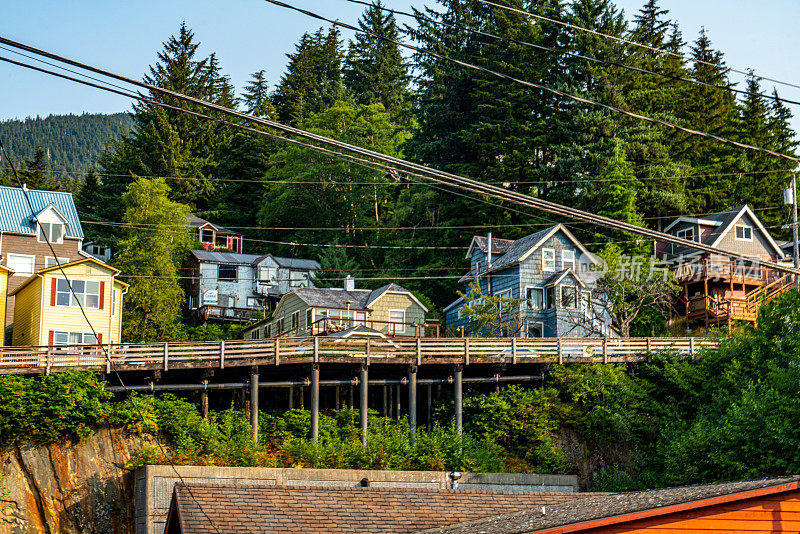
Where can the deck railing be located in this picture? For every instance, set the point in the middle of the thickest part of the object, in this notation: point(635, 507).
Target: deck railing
point(132, 357)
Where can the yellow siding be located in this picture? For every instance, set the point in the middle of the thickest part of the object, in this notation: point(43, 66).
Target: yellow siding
point(26, 315)
point(3, 291)
point(397, 301)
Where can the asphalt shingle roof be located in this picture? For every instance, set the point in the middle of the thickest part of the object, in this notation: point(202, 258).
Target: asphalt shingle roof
point(499, 246)
point(15, 214)
point(197, 222)
point(236, 509)
point(599, 507)
point(359, 299)
point(518, 249)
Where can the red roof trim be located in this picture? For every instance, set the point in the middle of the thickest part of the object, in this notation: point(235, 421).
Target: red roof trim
point(666, 510)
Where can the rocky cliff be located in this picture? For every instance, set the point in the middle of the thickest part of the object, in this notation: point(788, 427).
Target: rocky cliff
point(70, 487)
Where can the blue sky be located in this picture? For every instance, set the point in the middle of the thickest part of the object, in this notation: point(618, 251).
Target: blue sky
point(249, 35)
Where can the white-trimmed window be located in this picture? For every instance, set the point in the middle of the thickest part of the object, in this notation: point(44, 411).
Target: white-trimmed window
point(298, 279)
point(252, 302)
point(397, 318)
point(296, 320)
point(535, 298)
point(309, 318)
point(279, 326)
point(206, 236)
point(568, 259)
point(50, 231)
point(548, 260)
point(268, 331)
point(360, 318)
point(227, 273)
point(21, 264)
point(50, 261)
point(687, 233)
point(267, 274)
point(550, 297)
point(74, 338)
point(535, 330)
point(478, 266)
point(85, 293)
point(569, 297)
point(744, 232)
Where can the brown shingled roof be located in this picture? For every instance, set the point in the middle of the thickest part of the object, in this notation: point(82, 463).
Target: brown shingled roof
point(243, 508)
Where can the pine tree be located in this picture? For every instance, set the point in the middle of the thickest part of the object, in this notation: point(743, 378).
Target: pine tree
point(375, 71)
point(35, 174)
point(256, 96)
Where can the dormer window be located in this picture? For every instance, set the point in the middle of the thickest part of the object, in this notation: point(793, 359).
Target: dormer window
point(206, 236)
point(687, 233)
point(478, 267)
point(744, 232)
point(52, 232)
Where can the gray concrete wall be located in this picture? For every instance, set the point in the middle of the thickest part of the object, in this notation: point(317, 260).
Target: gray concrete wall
point(154, 483)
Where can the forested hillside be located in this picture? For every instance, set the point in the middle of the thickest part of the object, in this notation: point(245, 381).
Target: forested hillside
point(72, 143)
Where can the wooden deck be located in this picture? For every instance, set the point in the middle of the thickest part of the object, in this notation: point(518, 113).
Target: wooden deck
point(420, 351)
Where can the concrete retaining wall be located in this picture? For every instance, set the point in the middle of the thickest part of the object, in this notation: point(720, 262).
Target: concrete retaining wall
point(154, 483)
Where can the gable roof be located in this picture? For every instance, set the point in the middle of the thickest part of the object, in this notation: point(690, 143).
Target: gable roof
point(228, 258)
point(197, 223)
point(603, 510)
point(359, 299)
point(499, 246)
point(239, 508)
point(291, 263)
point(89, 259)
point(525, 246)
point(559, 276)
point(16, 215)
point(392, 288)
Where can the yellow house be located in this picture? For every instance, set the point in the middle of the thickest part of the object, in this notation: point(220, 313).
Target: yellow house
point(47, 311)
point(5, 272)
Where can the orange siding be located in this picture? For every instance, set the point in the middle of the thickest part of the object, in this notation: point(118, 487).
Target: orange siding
point(773, 513)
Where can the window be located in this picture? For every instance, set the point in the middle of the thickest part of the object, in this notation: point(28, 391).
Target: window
point(548, 260)
point(550, 294)
point(397, 318)
point(268, 331)
point(21, 264)
point(296, 320)
point(227, 273)
point(221, 241)
point(85, 293)
point(309, 318)
point(298, 279)
point(568, 259)
point(266, 274)
point(478, 266)
point(252, 302)
point(254, 334)
point(52, 232)
point(535, 330)
point(535, 296)
point(279, 325)
point(569, 297)
point(744, 232)
point(74, 338)
point(687, 233)
point(50, 261)
point(361, 318)
point(113, 302)
point(206, 236)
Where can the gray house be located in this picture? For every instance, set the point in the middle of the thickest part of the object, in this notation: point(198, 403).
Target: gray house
point(234, 287)
point(551, 270)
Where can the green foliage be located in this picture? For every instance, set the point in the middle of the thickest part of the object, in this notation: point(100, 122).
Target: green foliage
point(492, 315)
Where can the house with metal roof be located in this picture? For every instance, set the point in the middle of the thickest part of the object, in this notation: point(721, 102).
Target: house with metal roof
point(309, 311)
point(215, 237)
point(550, 271)
point(5, 272)
point(24, 234)
point(717, 290)
point(226, 286)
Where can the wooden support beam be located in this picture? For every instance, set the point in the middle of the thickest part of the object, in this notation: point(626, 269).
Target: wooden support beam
point(412, 404)
point(457, 394)
point(315, 402)
point(254, 401)
point(364, 402)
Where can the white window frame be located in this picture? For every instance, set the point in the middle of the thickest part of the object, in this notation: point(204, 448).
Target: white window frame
point(62, 261)
point(294, 281)
point(687, 232)
point(541, 327)
point(527, 300)
point(561, 297)
point(564, 260)
point(92, 340)
point(40, 229)
point(18, 272)
point(75, 296)
point(393, 326)
point(254, 301)
point(279, 324)
point(743, 227)
point(228, 266)
point(552, 253)
point(295, 321)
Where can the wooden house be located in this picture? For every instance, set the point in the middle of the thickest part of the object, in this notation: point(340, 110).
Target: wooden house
point(234, 287)
point(551, 270)
point(48, 311)
point(5, 272)
point(309, 311)
point(215, 237)
point(23, 242)
point(715, 289)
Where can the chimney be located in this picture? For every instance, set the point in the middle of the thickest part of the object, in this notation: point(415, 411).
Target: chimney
point(349, 283)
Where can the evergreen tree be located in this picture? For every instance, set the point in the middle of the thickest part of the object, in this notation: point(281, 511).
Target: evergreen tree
point(375, 71)
point(256, 96)
point(151, 251)
point(313, 78)
point(336, 264)
point(35, 174)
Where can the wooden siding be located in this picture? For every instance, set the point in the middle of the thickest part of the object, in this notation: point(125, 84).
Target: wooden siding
point(291, 304)
point(28, 244)
point(771, 513)
point(34, 303)
point(3, 297)
point(396, 301)
point(759, 246)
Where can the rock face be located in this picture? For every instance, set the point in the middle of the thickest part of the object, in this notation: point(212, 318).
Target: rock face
point(70, 487)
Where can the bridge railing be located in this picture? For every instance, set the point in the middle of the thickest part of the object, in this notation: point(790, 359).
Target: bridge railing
point(131, 356)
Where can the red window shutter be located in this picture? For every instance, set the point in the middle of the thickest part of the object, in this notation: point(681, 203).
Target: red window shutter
point(100, 338)
point(52, 335)
point(102, 293)
point(53, 295)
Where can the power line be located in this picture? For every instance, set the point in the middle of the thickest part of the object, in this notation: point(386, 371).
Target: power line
point(400, 165)
point(633, 43)
point(419, 16)
point(103, 349)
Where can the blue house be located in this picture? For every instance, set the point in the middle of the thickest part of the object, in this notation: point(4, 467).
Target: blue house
point(554, 274)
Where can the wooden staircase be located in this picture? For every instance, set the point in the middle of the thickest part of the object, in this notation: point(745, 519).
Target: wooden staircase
point(723, 310)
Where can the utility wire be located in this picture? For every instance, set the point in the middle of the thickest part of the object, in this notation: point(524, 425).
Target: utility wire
point(103, 349)
point(419, 16)
point(400, 165)
point(633, 43)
